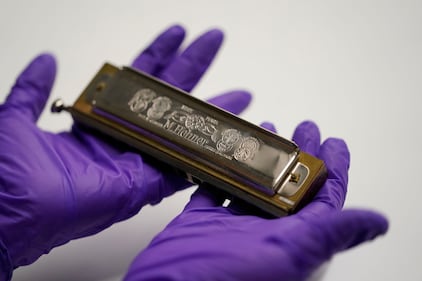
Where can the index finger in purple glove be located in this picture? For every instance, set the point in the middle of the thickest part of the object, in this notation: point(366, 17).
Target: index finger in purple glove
point(335, 154)
point(186, 70)
point(307, 137)
point(161, 58)
point(161, 51)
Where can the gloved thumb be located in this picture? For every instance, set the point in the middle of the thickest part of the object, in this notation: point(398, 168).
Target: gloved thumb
point(33, 86)
point(349, 228)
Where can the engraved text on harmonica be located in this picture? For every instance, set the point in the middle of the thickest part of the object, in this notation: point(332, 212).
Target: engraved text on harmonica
point(192, 126)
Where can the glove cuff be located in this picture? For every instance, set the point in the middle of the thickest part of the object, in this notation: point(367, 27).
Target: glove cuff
point(6, 267)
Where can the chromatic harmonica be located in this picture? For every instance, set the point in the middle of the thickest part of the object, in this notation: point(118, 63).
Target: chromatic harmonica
point(209, 145)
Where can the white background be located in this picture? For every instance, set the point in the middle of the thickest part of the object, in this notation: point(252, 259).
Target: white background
point(354, 67)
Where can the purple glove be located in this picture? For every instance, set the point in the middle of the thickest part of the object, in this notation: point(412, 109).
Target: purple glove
point(209, 242)
point(58, 187)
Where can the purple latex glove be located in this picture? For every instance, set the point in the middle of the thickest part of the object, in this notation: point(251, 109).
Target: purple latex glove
point(58, 187)
point(210, 242)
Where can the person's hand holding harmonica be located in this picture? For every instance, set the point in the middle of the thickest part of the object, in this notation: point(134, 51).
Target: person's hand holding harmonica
point(210, 242)
point(58, 187)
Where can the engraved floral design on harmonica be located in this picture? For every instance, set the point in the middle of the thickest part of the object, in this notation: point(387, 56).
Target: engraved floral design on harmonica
point(190, 125)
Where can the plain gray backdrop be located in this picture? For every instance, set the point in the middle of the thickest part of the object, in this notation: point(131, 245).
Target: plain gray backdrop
point(354, 67)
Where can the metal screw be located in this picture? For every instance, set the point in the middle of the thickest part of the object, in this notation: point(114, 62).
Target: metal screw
point(294, 178)
point(58, 106)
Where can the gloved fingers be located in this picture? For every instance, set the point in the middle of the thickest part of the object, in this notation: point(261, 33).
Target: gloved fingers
point(33, 86)
point(343, 230)
point(186, 70)
point(307, 137)
point(269, 126)
point(160, 181)
point(336, 156)
point(161, 51)
point(234, 101)
point(205, 196)
point(149, 178)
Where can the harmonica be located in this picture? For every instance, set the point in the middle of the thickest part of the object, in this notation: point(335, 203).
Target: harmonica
point(207, 144)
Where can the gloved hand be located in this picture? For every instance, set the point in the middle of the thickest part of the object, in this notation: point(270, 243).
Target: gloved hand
point(210, 242)
point(58, 187)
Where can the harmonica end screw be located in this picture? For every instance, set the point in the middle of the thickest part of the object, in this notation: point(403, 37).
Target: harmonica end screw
point(294, 178)
point(58, 106)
